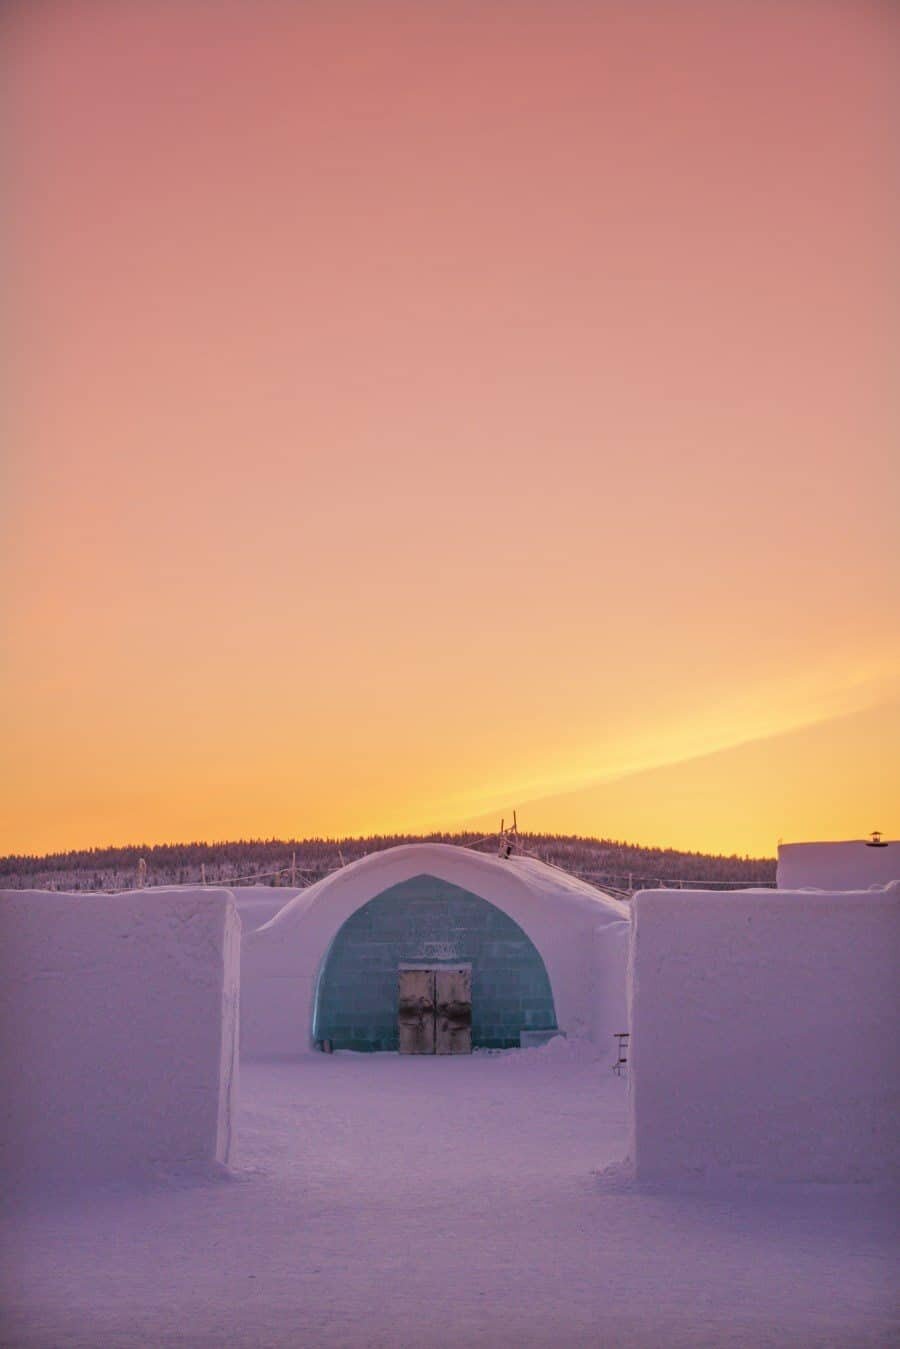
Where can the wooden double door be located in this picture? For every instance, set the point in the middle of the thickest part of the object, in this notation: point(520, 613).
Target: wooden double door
point(435, 1009)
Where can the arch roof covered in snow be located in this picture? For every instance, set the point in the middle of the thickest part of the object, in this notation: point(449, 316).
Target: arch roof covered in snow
point(524, 882)
point(580, 932)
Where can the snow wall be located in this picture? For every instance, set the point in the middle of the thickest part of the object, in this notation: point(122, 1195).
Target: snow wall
point(837, 866)
point(258, 904)
point(118, 1031)
point(764, 1035)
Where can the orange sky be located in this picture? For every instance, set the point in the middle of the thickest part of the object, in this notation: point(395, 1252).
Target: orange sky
point(421, 411)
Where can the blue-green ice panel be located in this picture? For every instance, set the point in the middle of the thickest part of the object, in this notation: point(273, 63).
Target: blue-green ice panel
point(426, 919)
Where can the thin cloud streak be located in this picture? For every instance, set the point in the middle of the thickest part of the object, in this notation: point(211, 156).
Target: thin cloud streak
point(823, 700)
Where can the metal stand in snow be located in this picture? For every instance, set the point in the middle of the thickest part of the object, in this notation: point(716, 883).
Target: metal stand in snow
point(621, 1037)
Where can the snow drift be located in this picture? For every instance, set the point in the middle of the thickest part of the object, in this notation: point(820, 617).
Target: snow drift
point(118, 1030)
point(764, 1041)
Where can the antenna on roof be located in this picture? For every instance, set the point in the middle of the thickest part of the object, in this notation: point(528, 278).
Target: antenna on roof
point(508, 837)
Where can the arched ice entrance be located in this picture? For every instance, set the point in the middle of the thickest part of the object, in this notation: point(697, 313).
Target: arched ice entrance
point(428, 921)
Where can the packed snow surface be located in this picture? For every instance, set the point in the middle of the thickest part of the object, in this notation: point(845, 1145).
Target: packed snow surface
point(118, 1031)
point(258, 904)
point(389, 1202)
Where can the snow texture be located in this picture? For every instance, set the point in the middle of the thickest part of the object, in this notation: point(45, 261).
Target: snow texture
point(385, 1202)
point(258, 904)
point(837, 866)
point(764, 1036)
point(580, 932)
point(118, 1031)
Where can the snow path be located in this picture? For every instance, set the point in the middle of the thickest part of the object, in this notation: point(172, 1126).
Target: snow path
point(396, 1202)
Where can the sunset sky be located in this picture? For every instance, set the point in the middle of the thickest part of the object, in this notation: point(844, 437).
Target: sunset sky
point(420, 411)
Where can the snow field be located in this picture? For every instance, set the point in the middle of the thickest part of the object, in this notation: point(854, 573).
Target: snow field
point(391, 1202)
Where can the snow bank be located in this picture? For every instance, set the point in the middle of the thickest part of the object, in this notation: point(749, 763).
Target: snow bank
point(764, 1035)
point(118, 1030)
point(837, 866)
point(559, 1050)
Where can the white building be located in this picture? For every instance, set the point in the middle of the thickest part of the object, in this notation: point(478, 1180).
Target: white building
point(545, 951)
point(837, 866)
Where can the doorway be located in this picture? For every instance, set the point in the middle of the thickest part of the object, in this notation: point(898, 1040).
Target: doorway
point(435, 1009)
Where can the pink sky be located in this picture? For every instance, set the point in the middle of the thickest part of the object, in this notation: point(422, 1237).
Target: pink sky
point(427, 410)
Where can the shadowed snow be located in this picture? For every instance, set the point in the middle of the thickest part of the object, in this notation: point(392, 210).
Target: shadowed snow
point(386, 1201)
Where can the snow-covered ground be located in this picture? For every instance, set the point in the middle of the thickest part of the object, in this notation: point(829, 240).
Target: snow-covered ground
point(380, 1201)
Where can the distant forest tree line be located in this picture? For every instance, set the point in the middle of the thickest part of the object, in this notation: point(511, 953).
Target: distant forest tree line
point(622, 866)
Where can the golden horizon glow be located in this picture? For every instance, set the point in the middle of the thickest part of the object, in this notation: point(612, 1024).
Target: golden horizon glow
point(419, 415)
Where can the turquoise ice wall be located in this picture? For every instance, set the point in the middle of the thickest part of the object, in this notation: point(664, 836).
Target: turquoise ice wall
point(428, 920)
